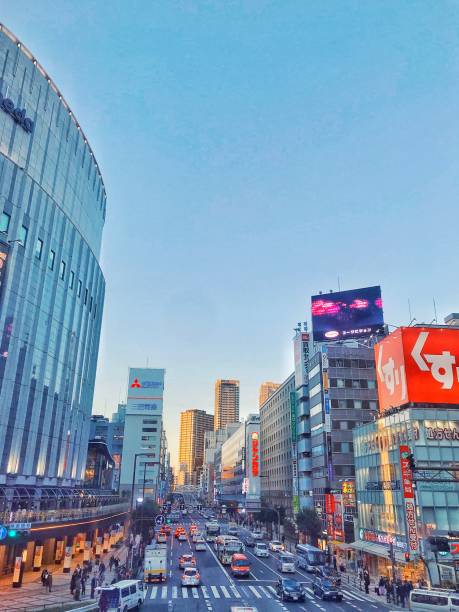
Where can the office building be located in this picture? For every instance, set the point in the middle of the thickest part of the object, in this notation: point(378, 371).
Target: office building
point(193, 425)
point(342, 396)
point(276, 448)
point(52, 213)
point(266, 390)
point(226, 403)
point(143, 433)
point(112, 433)
point(213, 441)
point(238, 468)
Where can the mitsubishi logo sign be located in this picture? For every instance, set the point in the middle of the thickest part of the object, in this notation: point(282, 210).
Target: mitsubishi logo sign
point(136, 384)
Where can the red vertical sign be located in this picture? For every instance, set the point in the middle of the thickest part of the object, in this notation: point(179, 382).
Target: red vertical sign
point(407, 476)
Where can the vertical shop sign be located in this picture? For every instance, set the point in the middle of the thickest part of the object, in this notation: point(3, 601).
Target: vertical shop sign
point(408, 497)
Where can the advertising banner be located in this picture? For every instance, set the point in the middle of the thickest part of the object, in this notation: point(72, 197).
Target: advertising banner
point(38, 555)
point(347, 314)
point(408, 497)
point(301, 358)
point(338, 518)
point(145, 391)
point(418, 364)
point(59, 551)
point(329, 503)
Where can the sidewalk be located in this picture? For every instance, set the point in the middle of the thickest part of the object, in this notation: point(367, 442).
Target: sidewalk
point(351, 579)
point(32, 595)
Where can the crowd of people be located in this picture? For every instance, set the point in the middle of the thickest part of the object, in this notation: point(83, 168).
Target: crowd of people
point(95, 575)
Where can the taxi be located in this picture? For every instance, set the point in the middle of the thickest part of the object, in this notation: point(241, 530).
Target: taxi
point(161, 537)
point(178, 532)
point(187, 560)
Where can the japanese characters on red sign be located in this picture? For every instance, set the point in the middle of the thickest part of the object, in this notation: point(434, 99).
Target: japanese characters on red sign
point(418, 364)
point(407, 474)
point(255, 455)
point(329, 503)
point(412, 535)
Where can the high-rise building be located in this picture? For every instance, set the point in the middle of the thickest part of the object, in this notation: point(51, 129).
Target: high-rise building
point(276, 448)
point(193, 425)
point(143, 433)
point(52, 213)
point(213, 441)
point(266, 390)
point(226, 403)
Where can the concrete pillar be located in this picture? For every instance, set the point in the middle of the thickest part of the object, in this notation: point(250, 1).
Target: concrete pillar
point(87, 548)
point(98, 546)
point(19, 565)
point(59, 551)
point(106, 542)
point(38, 556)
point(68, 555)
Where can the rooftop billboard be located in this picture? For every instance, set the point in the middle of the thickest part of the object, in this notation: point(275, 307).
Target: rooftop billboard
point(418, 364)
point(356, 313)
point(145, 390)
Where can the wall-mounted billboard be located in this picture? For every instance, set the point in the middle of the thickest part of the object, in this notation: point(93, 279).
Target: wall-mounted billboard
point(145, 391)
point(357, 313)
point(418, 364)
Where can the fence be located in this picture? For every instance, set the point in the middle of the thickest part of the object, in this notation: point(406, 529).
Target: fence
point(64, 514)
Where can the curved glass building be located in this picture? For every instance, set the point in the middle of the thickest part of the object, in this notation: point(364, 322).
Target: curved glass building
point(52, 212)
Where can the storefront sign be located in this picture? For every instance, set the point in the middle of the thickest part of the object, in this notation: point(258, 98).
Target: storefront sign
point(407, 476)
point(338, 519)
point(329, 503)
point(382, 485)
point(330, 527)
point(442, 433)
point(368, 535)
point(411, 524)
point(255, 454)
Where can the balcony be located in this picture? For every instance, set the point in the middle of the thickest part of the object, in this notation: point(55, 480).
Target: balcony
point(305, 464)
point(304, 445)
point(304, 427)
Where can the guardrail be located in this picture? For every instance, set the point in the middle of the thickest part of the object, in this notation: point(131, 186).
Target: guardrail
point(64, 514)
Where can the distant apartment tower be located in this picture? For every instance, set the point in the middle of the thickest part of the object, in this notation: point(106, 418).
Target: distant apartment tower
point(193, 425)
point(266, 390)
point(226, 403)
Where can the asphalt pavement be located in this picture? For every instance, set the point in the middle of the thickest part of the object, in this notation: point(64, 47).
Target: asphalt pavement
point(219, 590)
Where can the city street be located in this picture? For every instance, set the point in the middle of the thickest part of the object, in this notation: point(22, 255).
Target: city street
point(219, 590)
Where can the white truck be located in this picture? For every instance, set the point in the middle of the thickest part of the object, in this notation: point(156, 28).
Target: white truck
point(155, 563)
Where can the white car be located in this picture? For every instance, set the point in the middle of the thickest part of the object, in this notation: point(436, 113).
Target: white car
point(191, 577)
point(200, 544)
point(260, 550)
point(257, 535)
point(286, 563)
point(276, 546)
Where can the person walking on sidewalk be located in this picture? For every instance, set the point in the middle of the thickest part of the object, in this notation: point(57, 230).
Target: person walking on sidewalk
point(83, 585)
point(44, 577)
point(366, 581)
point(50, 582)
point(76, 597)
point(73, 581)
point(93, 585)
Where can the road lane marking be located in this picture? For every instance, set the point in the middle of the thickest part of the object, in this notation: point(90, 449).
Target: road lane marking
point(263, 590)
point(225, 592)
point(271, 588)
point(353, 596)
point(174, 592)
point(194, 590)
point(235, 591)
point(163, 592)
point(255, 592)
point(265, 564)
point(205, 592)
point(184, 592)
point(153, 592)
point(215, 592)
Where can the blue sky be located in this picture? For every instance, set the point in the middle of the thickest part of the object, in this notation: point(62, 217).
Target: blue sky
point(253, 152)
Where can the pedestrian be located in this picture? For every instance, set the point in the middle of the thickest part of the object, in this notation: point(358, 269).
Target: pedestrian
point(77, 594)
point(50, 582)
point(102, 567)
point(93, 586)
point(402, 594)
point(366, 581)
point(335, 564)
point(73, 581)
point(83, 585)
point(111, 562)
point(44, 577)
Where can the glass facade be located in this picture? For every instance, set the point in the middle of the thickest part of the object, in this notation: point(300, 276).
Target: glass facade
point(52, 211)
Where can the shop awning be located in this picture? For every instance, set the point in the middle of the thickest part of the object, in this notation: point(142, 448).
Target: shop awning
point(378, 549)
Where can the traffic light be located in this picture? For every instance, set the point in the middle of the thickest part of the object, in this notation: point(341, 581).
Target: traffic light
point(412, 462)
point(17, 534)
point(407, 557)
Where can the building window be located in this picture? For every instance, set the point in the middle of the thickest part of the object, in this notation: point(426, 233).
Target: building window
point(39, 248)
point(90, 305)
point(85, 296)
point(80, 285)
point(62, 270)
point(5, 222)
point(52, 259)
point(149, 422)
point(148, 429)
point(23, 232)
point(72, 279)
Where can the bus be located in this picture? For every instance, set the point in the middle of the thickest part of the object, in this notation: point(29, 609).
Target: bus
point(310, 557)
point(226, 550)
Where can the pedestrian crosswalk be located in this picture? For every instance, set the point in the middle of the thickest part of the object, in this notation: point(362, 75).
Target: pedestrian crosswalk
point(229, 591)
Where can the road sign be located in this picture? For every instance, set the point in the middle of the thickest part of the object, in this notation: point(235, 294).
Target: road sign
point(3, 532)
point(159, 520)
point(19, 525)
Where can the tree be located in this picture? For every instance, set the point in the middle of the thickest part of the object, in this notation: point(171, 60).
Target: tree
point(309, 523)
point(143, 518)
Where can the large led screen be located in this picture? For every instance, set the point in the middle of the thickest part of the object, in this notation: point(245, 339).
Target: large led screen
point(347, 314)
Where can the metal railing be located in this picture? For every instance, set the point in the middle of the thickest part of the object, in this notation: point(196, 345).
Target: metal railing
point(63, 514)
